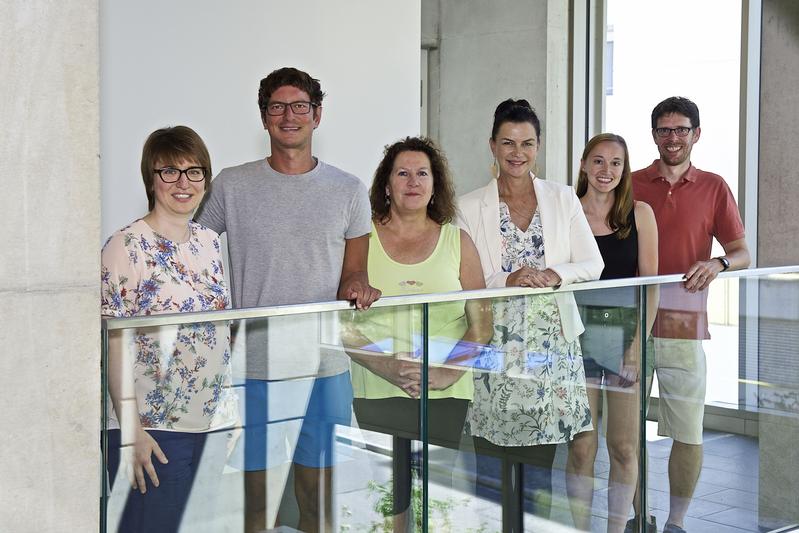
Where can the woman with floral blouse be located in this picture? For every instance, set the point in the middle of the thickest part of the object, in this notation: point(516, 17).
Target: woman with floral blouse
point(169, 386)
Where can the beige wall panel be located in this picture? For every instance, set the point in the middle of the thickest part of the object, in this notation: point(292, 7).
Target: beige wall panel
point(49, 271)
point(778, 226)
point(778, 186)
point(50, 155)
point(50, 450)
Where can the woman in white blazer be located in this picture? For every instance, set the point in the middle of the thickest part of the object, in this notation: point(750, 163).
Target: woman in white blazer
point(530, 391)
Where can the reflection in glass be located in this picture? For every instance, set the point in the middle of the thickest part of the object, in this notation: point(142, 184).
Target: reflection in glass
point(530, 390)
point(747, 479)
point(386, 347)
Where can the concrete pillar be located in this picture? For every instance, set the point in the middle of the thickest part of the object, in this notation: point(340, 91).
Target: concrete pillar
point(778, 403)
point(49, 268)
point(778, 186)
point(431, 41)
point(778, 225)
point(488, 51)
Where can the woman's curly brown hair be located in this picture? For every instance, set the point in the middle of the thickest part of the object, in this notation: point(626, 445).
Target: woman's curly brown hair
point(442, 208)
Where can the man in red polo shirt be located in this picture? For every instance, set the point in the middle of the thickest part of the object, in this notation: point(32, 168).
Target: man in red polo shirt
point(691, 208)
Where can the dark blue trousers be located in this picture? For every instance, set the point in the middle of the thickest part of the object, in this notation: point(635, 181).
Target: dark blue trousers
point(161, 508)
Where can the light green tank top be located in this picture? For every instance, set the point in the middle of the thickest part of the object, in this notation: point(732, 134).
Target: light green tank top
point(399, 329)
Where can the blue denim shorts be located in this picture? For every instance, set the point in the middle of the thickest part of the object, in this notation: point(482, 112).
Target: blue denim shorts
point(292, 420)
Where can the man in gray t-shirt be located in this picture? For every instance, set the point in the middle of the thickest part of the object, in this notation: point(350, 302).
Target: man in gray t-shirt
point(297, 231)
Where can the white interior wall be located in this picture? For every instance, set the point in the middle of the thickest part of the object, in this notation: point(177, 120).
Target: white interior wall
point(199, 63)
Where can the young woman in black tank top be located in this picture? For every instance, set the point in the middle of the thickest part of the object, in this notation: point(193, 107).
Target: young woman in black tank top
point(626, 233)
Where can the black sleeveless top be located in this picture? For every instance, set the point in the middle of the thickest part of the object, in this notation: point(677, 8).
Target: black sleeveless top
point(620, 255)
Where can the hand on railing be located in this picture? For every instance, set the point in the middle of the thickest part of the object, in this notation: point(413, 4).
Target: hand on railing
point(140, 460)
point(700, 274)
point(357, 290)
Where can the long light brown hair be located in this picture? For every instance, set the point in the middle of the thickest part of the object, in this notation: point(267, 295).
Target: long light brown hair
point(618, 218)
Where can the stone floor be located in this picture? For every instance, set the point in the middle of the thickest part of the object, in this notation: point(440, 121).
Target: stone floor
point(726, 498)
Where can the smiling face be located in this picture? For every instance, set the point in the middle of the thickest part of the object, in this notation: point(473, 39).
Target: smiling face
point(410, 185)
point(515, 147)
point(180, 198)
point(675, 150)
point(290, 130)
point(603, 166)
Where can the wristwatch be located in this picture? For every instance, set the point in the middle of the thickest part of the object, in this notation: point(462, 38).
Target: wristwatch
point(724, 263)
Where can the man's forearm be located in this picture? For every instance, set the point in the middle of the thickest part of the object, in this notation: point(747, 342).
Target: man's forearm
point(739, 259)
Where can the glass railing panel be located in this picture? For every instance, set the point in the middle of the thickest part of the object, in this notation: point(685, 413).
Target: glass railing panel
point(527, 416)
point(723, 423)
point(278, 423)
point(385, 346)
point(615, 344)
point(459, 335)
point(675, 399)
point(172, 419)
point(722, 348)
point(552, 428)
point(773, 379)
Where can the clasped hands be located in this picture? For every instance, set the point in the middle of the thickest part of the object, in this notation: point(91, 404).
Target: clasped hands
point(532, 277)
point(405, 371)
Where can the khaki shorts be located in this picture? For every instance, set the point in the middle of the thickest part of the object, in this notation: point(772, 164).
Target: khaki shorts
point(682, 381)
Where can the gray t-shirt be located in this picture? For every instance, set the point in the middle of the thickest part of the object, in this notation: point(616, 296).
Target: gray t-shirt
point(286, 236)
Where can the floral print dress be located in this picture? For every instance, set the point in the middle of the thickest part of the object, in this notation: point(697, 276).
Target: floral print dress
point(181, 374)
point(532, 388)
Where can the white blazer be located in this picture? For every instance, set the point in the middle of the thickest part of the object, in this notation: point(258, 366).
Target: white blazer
point(570, 247)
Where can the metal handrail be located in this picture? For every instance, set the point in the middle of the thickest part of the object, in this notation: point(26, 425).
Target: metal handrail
point(169, 319)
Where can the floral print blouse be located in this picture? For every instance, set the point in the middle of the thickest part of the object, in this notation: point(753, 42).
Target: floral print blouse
point(181, 373)
point(532, 388)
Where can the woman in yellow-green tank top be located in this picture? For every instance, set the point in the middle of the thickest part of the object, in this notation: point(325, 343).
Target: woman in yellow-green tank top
point(414, 249)
point(439, 272)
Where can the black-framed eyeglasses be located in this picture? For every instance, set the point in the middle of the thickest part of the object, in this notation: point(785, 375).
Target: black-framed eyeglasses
point(276, 109)
point(681, 131)
point(172, 174)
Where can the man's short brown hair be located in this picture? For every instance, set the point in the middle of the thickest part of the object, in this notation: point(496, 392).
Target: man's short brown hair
point(293, 77)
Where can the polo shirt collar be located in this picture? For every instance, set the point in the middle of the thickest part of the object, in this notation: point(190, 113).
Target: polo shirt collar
point(654, 174)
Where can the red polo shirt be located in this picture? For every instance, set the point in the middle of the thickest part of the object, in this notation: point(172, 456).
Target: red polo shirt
point(689, 214)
